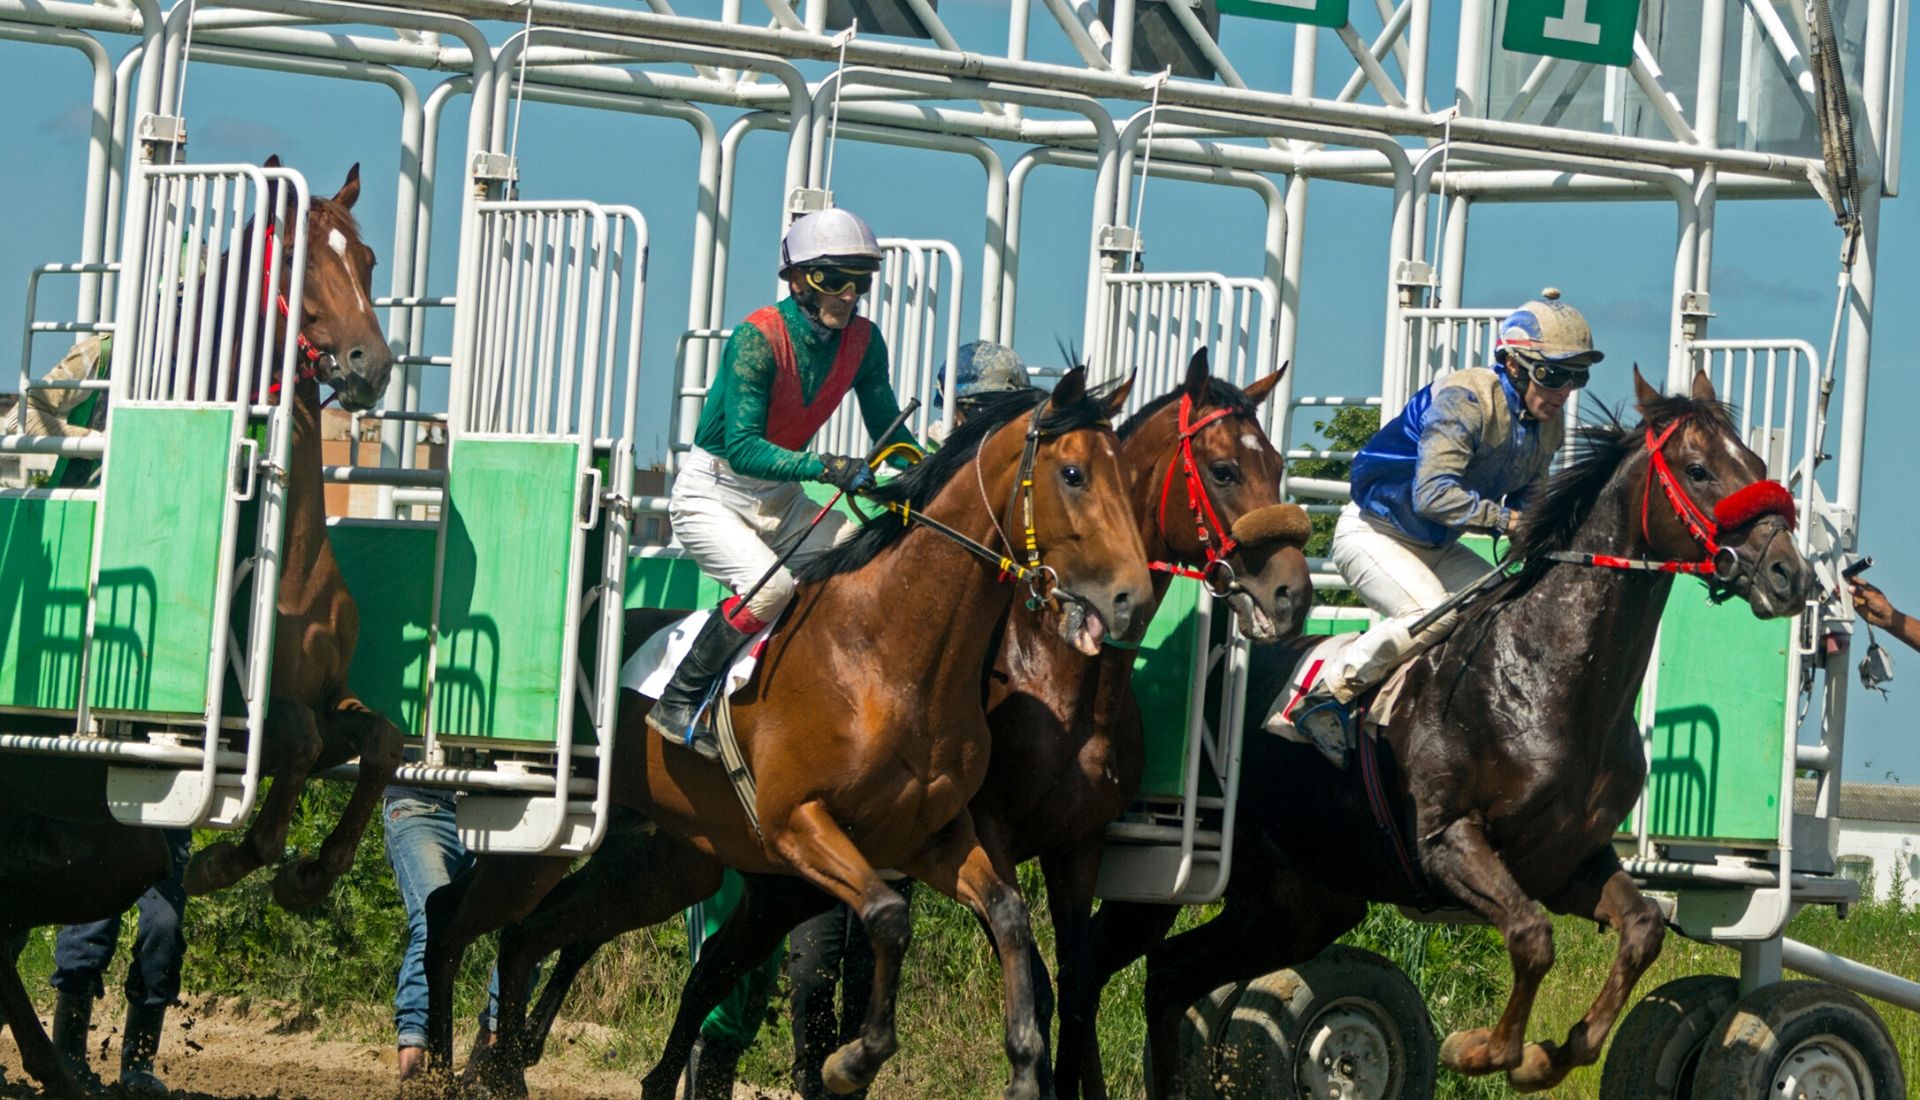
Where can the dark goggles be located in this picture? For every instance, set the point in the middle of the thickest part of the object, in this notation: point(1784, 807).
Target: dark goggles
point(1553, 376)
point(833, 281)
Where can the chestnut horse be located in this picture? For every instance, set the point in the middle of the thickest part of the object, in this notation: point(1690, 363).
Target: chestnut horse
point(63, 859)
point(865, 726)
point(1068, 748)
point(1511, 759)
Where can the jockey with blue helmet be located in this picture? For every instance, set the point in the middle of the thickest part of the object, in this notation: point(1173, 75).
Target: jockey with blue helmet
point(1464, 454)
point(980, 368)
point(737, 495)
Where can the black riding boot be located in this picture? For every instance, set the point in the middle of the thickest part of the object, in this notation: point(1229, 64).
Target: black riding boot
point(710, 1069)
point(712, 654)
point(138, 1045)
point(72, 1016)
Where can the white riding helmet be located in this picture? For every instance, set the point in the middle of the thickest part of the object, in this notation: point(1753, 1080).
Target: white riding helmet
point(830, 238)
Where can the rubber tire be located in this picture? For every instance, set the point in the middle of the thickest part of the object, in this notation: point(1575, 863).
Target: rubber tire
point(1753, 1043)
point(1271, 1024)
point(1658, 1045)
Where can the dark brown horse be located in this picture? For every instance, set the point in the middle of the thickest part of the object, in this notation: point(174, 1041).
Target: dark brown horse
point(63, 859)
point(1510, 761)
point(1067, 740)
point(865, 726)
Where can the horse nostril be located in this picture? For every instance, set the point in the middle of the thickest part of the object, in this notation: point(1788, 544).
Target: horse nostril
point(357, 357)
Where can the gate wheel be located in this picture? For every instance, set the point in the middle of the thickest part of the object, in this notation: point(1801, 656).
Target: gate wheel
point(1806, 1040)
point(1654, 1053)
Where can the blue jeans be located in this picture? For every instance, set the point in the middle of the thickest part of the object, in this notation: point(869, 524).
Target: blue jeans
point(81, 952)
point(424, 849)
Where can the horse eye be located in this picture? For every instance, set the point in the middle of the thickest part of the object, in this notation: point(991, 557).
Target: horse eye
point(1224, 473)
point(1073, 476)
point(1698, 472)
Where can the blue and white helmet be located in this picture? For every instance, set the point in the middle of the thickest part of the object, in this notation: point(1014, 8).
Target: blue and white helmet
point(1548, 330)
point(982, 367)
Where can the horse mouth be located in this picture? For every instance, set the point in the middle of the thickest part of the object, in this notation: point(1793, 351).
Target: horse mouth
point(1083, 627)
point(1255, 622)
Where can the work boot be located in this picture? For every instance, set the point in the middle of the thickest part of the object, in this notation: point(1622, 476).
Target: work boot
point(72, 1017)
point(710, 1069)
point(138, 1045)
point(1324, 719)
point(677, 714)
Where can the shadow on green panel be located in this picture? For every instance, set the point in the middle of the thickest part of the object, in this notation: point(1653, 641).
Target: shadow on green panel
point(44, 549)
point(1683, 781)
point(469, 666)
point(125, 627)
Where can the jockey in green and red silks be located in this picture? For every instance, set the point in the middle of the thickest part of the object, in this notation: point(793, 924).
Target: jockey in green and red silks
point(1464, 454)
point(737, 495)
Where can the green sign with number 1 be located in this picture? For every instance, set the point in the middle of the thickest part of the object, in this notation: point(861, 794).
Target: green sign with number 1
point(1600, 31)
point(1321, 13)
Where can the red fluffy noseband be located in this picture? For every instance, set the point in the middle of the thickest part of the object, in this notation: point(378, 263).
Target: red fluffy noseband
point(1762, 498)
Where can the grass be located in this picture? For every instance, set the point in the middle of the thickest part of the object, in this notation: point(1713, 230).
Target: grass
point(336, 965)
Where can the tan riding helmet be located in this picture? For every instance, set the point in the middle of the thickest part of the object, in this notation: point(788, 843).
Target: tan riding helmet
point(1548, 330)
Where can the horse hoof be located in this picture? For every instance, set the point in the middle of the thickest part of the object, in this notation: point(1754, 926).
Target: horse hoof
point(1465, 1052)
point(301, 885)
point(215, 867)
point(1536, 1070)
point(846, 1070)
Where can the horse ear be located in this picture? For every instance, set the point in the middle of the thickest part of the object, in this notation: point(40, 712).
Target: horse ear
point(1643, 394)
point(1198, 385)
point(350, 190)
point(1071, 388)
point(1115, 399)
point(1258, 390)
point(272, 161)
point(1703, 386)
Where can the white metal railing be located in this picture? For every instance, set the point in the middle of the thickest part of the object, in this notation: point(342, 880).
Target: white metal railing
point(916, 303)
point(1150, 324)
point(1774, 387)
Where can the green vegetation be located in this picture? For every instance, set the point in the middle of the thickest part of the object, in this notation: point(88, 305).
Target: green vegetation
point(334, 968)
point(1348, 430)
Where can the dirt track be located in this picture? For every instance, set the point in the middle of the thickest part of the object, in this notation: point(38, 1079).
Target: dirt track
point(212, 1053)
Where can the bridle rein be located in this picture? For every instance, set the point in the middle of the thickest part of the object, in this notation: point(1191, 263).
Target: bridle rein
point(1217, 574)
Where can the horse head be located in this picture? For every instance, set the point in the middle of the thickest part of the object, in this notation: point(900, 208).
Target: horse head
point(341, 343)
point(1210, 493)
point(1093, 564)
point(1718, 505)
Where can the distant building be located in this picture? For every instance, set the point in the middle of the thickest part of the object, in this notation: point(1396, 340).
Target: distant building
point(1879, 835)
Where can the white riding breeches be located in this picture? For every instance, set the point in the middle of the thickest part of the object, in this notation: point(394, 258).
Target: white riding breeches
point(1400, 580)
point(733, 526)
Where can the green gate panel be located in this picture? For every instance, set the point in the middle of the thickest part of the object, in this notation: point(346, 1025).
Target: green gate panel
point(46, 549)
point(389, 570)
point(505, 590)
point(161, 517)
point(1719, 727)
point(1162, 682)
point(671, 583)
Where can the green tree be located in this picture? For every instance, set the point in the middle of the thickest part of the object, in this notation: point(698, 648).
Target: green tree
point(1348, 430)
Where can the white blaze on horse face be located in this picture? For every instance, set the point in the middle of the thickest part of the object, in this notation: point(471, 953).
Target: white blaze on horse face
point(1250, 442)
point(337, 241)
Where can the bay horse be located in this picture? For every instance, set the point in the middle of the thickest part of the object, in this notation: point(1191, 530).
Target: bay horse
point(865, 725)
point(1068, 747)
point(63, 858)
point(1509, 762)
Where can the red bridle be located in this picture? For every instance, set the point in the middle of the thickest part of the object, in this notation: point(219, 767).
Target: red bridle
point(1737, 509)
point(310, 354)
point(1217, 573)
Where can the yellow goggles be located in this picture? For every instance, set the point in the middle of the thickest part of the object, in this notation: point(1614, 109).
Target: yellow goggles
point(833, 281)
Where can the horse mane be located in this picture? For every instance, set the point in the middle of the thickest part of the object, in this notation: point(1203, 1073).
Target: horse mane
point(1220, 394)
point(917, 486)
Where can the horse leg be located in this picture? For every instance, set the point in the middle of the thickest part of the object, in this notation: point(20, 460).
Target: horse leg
point(1602, 890)
point(634, 880)
point(955, 864)
point(495, 892)
point(293, 744)
point(1461, 862)
point(1071, 875)
point(1286, 922)
point(769, 907)
point(303, 883)
point(814, 845)
point(1119, 933)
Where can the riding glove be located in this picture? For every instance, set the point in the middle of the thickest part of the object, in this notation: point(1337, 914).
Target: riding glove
point(848, 473)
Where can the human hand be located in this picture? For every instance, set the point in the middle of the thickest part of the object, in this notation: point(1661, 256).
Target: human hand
point(1872, 604)
point(849, 474)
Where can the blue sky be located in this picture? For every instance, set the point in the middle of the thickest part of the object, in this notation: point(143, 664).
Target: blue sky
point(1773, 274)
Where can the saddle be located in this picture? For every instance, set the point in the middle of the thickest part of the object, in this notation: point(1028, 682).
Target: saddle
point(653, 664)
point(1371, 710)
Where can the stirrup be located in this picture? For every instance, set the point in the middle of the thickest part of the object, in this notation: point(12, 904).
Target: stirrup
point(1328, 725)
point(694, 734)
